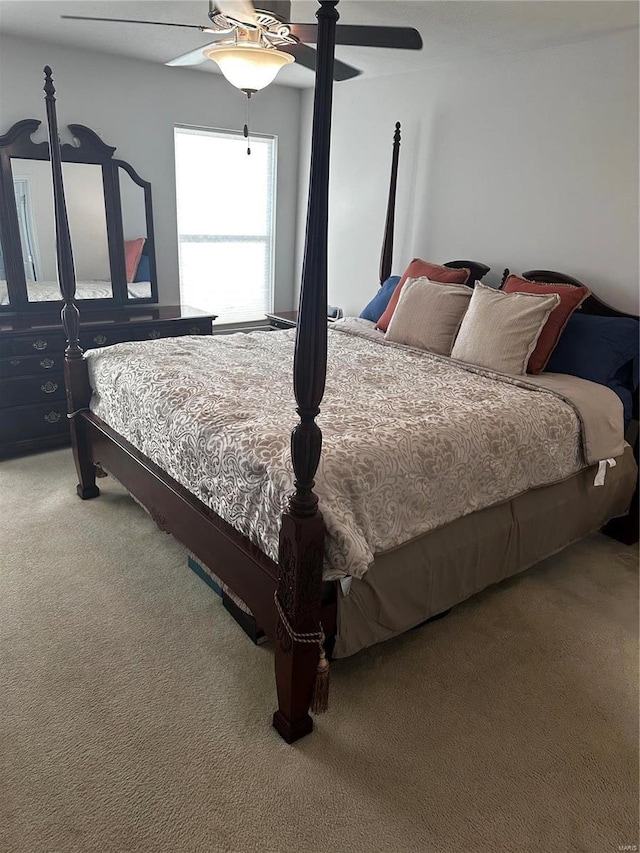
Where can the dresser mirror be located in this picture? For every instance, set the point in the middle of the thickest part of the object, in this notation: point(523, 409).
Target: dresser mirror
point(110, 219)
point(87, 222)
point(136, 235)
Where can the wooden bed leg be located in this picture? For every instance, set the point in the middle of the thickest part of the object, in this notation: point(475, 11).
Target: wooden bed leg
point(299, 589)
point(85, 468)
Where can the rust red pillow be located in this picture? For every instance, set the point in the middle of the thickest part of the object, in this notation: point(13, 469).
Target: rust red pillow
point(132, 254)
point(417, 269)
point(571, 297)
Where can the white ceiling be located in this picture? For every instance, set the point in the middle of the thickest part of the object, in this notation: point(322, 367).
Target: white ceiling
point(450, 29)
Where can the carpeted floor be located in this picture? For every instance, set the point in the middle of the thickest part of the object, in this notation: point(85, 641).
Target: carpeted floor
point(135, 715)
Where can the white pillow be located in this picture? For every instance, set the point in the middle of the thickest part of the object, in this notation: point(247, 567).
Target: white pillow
point(428, 315)
point(500, 330)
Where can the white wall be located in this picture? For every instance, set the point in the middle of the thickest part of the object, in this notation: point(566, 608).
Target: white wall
point(522, 161)
point(134, 105)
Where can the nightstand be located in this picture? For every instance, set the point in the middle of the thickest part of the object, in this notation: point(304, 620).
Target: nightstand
point(283, 319)
point(287, 319)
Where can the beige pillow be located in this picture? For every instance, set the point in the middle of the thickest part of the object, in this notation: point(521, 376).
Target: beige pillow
point(500, 330)
point(428, 315)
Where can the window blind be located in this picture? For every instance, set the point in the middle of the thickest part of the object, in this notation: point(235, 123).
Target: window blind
point(226, 222)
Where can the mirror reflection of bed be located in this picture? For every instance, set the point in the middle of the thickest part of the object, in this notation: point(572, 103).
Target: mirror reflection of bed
point(88, 226)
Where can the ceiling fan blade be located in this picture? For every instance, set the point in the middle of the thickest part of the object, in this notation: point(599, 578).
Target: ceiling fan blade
point(354, 34)
point(128, 21)
point(306, 56)
point(241, 11)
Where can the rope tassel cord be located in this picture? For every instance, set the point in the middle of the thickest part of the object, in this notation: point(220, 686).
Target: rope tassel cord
point(320, 697)
point(245, 130)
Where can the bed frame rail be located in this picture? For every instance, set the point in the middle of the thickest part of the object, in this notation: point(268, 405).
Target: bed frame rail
point(238, 562)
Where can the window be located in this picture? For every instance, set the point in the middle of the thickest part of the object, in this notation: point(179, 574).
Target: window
point(27, 230)
point(226, 222)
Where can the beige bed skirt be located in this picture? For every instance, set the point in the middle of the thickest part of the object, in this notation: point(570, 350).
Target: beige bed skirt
point(446, 566)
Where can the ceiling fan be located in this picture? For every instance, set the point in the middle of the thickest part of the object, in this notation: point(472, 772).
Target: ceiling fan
point(236, 23)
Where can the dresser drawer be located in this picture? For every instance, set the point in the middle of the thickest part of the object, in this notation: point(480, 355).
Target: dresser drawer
point(195, 327)
point(33, 421)
point(151, 332)
point(31, 389)
point(32, 344)
point(31, 365)
point(103, 337)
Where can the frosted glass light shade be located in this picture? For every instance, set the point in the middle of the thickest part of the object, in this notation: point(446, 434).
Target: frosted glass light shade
point(249, 67)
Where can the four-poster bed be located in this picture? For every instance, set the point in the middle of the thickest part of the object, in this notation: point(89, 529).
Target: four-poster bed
point(286, 591)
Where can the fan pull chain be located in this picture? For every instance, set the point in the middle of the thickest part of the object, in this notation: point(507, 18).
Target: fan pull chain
point(246, 127)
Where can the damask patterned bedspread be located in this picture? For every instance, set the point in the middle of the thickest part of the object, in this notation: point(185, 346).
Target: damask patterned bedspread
point(411, 441)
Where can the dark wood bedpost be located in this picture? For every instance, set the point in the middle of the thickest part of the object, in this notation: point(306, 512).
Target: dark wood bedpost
point(301, 549)
point(386, 259)
point(75, 368)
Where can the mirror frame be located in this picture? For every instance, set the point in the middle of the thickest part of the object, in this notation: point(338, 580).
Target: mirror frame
point(17, 144)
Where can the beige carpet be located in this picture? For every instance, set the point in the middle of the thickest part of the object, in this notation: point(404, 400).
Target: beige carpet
point(135, 715)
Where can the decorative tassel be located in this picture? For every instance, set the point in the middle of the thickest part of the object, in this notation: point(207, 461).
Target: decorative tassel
point(320, 699)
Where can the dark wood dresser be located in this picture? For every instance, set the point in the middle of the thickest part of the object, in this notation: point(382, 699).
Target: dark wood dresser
point(32, 393)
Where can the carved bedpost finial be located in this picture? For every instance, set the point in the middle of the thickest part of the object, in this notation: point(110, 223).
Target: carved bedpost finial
point(49, 88)
point(386, 259)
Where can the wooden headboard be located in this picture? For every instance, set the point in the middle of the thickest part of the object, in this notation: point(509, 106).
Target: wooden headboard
point(591, 305)
point(478, 270)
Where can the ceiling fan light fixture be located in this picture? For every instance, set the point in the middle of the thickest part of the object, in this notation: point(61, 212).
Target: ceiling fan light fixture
point(249, 67)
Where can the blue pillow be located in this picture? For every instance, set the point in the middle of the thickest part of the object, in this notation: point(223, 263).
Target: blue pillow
point(626, 396)
point(378, 305)
point(143, 273)
point(596, 348)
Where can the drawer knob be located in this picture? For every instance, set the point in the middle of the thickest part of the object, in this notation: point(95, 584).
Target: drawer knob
point(153, 334)
point(14, 362)
point(194, 330)
point(40, 344)
point(52, 417)
point(47, 363)
point(49, 387)
point(100, 340)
